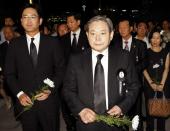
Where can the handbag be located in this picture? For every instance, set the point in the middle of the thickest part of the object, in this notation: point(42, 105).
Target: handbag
point(159, 107)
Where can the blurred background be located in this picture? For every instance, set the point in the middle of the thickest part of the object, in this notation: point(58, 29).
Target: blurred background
point(146, 9)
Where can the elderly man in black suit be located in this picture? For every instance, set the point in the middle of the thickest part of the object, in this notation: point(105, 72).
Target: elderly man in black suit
point(100, 80)
point(137, 49)
point(9, 34)
point(30, 59)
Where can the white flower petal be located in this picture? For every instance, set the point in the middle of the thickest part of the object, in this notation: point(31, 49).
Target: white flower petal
point(0, 69)
point(155, 66)
point(135, 122)
point(161, 32)
point(49, 83)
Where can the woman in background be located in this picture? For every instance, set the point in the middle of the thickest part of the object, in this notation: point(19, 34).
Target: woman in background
point(155, 73)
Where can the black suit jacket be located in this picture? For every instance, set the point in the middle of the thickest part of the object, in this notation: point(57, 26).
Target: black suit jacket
point(81, 46)
point(137, 51)
point(19, 71)
point(3, 51)
point(78, 84)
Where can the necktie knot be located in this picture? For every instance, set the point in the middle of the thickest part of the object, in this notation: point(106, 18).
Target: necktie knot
point(32, 39)
point(74, 43)
point(74, 34)
point(126, 42)
point(99, 57)
point(74, 38)
point(32, 43)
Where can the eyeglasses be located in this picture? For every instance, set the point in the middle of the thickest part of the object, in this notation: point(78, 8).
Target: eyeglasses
point(33, 17)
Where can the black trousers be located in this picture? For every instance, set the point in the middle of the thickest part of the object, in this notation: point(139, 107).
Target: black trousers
point(150, 123)
point(97, 126)
point(137, 110)
point(68, 117)
point(43, 116)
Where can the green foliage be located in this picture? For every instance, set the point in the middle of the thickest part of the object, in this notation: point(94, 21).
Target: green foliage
point(114, 121)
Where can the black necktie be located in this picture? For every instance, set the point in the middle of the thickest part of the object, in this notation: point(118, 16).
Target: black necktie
point(74, 42)
point(33, 52)
point(99, 87)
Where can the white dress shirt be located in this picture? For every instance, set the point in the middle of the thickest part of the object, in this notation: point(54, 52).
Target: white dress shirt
point(36, 41)
point(77, 35)
point(129, 43)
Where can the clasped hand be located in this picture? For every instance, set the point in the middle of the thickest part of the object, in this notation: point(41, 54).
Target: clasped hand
point(157, 87)
point(25, 100)
point(88, 116)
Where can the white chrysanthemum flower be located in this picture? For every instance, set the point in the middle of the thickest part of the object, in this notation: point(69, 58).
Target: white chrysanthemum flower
point(155, 66)
point(49, 83)
point(135, 122)
point(161, 32)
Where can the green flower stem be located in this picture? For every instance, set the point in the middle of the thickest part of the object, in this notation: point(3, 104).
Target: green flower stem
point(26, 108)
point(114, 121)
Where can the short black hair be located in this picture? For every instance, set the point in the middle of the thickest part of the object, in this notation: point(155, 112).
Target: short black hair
point(34, 6)
point(126, 18)
point(152, 32)
point(142, 21)
point(76, 15)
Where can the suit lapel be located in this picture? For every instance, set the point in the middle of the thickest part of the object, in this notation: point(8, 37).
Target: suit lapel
point(69, 39)
point(121, 44)
point(87, 66)
point(133, 46)
point(25, 45)
point(25, 49)
point(41, 49)
point(79, 42)
point(112, 64)
point(81, 39)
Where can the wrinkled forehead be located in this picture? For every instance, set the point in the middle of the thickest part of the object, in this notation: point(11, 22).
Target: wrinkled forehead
point(98, 25)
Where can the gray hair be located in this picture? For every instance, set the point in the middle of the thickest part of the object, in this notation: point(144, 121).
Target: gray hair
point(100, 18)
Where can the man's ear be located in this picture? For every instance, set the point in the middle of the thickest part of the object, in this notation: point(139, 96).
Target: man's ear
point(41, 20)
point(131, 28)
point(87, 34)
point(111, 35)
point(78, 22)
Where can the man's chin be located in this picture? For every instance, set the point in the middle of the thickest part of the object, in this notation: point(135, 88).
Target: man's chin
point(99, 49)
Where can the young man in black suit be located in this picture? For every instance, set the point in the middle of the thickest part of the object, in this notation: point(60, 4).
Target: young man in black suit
point(72, 45)
point(74, 25)
point(104, 67)
point(30, 59)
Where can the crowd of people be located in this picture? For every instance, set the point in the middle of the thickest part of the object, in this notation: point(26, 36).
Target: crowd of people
point(98, 69)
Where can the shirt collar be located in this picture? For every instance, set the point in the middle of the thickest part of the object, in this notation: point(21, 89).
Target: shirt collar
point(36, 38)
